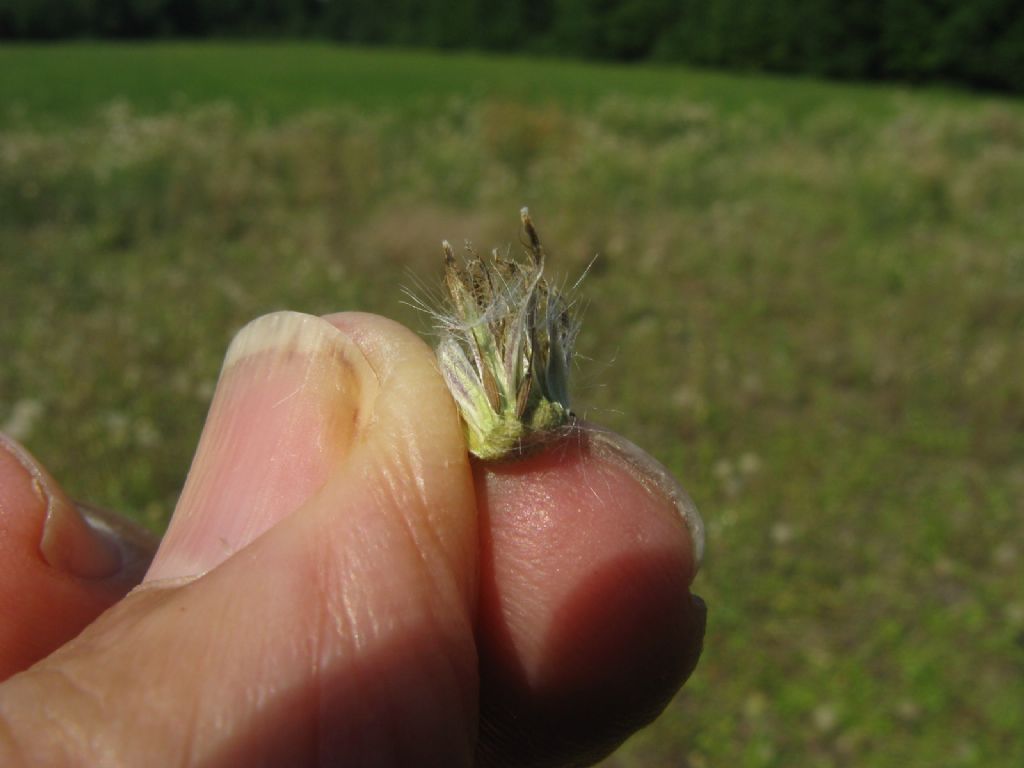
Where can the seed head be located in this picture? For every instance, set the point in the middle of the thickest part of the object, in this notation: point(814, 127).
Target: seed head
point(506, 347)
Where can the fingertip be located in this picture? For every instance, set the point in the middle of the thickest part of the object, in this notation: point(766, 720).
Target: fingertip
point(413, 396)
point(293, 398)
point(587, 625)
point(60, 567)
point(655, 478)
point(417, 449)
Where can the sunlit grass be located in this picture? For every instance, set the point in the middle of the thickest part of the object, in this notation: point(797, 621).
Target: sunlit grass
point(269, 81)
point(811, 310)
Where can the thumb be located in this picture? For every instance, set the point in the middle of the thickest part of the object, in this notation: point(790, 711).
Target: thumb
point(312, 600)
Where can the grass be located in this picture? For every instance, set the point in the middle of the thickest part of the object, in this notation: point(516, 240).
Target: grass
point(809, 303)
point(65, 83)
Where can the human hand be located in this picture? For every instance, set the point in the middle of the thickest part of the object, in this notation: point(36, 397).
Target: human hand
point(341, 585)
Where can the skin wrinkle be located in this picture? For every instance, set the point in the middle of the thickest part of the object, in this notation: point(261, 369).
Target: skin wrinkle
point(438, 581)
point(73, 742)
point(357, 686)
point(354, 625)
point(427, 572)
point(428, 543)
point(253, 700)
point(429, 546)
point(68, 687)
point(303, 645)
point(340, 630)
point(195, 718)
point(331, 575)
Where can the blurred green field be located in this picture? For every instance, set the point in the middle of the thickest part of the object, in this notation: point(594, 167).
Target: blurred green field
point(808, 302)
point(65, 83)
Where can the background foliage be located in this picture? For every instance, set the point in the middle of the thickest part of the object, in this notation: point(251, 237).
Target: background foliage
point(978, 42)
point(808, 302)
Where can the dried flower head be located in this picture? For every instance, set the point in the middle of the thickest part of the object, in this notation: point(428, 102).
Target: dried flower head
point(506, 347)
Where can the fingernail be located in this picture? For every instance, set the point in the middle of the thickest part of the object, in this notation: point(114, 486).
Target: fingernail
point(649, 472)
point(68, 542)
point(293, 395)
point(137, 545)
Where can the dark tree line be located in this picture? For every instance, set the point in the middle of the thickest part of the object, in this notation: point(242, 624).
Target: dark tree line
point(978, 42)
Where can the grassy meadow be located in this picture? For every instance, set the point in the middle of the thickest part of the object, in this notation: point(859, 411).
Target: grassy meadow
point(808, 302)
